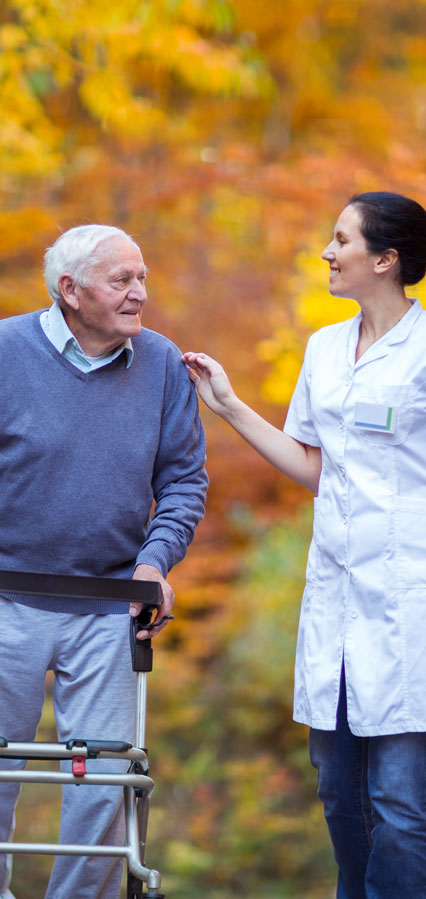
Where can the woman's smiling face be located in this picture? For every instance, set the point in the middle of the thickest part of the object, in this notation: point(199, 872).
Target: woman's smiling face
point(352, 266)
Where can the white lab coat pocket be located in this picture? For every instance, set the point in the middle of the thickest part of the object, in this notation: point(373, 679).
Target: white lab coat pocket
point(399, 397)
point(410, 536)
point(304, 647)
point(412, 610)
point(312, 563)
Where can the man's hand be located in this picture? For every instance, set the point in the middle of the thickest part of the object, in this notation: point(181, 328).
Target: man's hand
point(149, 573)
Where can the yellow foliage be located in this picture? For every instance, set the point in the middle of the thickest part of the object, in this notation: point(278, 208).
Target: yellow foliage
point(189, 859)
point(111, 57)
point(107, 96)
point(313, 307)
point(207, 14)
point(12, 37)
point(419, 291)
point(22, 294)
point(318, 308)
point(279, 384)
point(236, 215)
point(37, 155)
point(20, 229)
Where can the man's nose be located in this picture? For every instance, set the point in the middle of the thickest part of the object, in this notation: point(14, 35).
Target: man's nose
point(137, 290)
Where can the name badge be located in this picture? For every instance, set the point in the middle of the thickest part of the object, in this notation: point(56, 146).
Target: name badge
point(371, 417)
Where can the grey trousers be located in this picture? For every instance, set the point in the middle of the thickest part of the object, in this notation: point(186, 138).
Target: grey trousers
point(94, 697)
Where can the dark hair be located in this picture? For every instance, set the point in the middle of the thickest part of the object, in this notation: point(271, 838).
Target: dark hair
point(392, 221)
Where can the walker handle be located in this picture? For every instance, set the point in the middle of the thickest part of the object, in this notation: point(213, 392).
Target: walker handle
point(141, 650)
point(73, 586)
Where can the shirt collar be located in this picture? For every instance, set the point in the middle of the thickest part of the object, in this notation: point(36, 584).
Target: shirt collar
point(380, 348)
point(63, 339)
point(401, 330)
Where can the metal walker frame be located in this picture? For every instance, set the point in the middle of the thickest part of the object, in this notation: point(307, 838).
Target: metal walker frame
point(136, 783)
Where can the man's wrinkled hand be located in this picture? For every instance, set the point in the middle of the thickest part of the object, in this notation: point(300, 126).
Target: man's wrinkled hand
point(150, 573)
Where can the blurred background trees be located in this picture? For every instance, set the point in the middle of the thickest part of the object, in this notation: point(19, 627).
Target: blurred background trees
point(225, 135)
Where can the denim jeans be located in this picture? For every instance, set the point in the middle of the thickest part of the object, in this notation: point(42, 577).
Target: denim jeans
point(374, 795)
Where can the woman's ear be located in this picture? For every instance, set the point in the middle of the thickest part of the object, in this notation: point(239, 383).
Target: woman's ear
point(386, 261)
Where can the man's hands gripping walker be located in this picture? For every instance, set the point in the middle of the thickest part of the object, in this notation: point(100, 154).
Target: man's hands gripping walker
point(163, 613)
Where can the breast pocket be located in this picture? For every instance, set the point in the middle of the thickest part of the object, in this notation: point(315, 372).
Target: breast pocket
point(400, 397)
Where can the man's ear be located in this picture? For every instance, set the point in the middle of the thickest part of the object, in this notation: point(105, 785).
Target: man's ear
point(386, 261)
point(68, 289)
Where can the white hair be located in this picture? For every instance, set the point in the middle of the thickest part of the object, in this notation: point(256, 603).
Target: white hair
point(73, 253)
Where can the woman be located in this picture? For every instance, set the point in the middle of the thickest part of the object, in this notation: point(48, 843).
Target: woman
point(356, 432)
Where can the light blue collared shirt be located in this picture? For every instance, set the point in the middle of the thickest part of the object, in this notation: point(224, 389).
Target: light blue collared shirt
point(58, 332)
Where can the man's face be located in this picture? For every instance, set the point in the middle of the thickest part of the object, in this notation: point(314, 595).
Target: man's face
point(106, 312)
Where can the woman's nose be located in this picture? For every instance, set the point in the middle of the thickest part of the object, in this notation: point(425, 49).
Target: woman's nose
point(327, 253)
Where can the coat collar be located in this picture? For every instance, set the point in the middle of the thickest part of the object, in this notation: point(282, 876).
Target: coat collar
point(381, 347)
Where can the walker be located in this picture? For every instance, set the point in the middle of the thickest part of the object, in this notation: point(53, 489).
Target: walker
point(136, 783)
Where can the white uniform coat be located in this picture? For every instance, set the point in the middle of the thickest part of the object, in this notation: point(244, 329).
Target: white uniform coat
point(365, 595)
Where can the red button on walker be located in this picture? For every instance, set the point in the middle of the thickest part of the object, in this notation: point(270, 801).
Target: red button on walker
point(79, 766)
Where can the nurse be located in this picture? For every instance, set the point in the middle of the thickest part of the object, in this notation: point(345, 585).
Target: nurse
point(355, 434)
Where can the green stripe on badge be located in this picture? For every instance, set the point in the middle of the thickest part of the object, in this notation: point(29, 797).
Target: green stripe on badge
point(389, 418)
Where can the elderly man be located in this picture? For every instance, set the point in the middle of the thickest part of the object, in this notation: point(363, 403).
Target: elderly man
point(99, 420)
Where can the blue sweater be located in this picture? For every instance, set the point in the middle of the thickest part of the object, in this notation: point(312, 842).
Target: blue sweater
point(83, 457)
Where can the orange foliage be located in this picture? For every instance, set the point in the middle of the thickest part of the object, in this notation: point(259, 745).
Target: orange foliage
point(225, 135)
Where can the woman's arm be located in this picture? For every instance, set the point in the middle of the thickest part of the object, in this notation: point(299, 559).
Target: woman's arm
point(297, 460)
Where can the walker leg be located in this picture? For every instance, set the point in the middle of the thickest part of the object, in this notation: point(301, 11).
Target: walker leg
point(134, 887)
point(142, 809)
point(135, 890)
point(137, 802)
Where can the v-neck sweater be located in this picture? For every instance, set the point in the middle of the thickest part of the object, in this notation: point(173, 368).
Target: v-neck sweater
point(83, 457)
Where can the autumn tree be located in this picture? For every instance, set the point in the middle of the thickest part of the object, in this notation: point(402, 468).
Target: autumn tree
point(225, 135)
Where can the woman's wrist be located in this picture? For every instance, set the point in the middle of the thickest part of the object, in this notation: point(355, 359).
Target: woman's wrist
point(232, 409)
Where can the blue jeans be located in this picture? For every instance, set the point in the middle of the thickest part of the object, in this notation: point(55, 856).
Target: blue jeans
point(374, 795)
